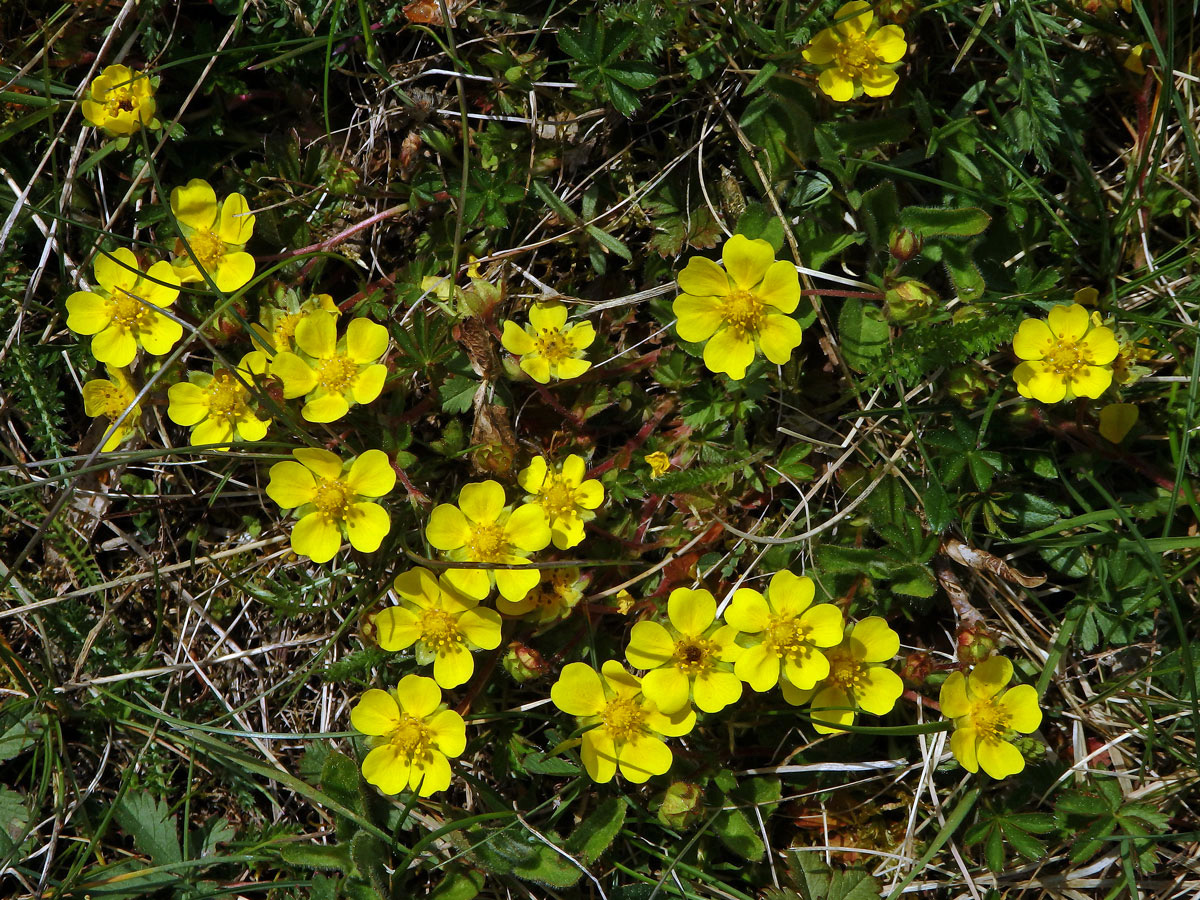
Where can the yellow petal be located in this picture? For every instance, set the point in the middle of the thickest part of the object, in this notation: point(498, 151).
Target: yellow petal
point(420, 586)
point(989, 677)
point(449, 732)
point(474, 583)
point(234, 270)
point(888, 43)
point(569, 368)
point(1069, 323)
point(748, 611)
point(237, 222)
point(880, 690)
point(482, 502)
point(212, 431)
point(727, 352)
point(1035, 380)
point(789, 593)
point(805, 668)
point(375, 713)
point(1116, 421)
point(823, 48)
point(999, 758)
point(836, 84)
point(366, 341)
point(396, 628)
point(873, 641)
point(419, 696)
point(515, 340)
point(548, 316)
point(316, 537)
point(1021, 703)
point(1033, 340)
point(715, 690)
point(1090, 381)
point(387, 768)
point(746, 260)
point(325, 463)
point(780, 335)
point(581, 335)
point(599, 755)
point(515, 584)
point(578, 691)
point(195, 204)
point(161, 335)
point(369, 383)
point(481, 627)
point(527, 529)
point(371, 475)
point(325, 408)
point(758, 668)
point(533, 476)
point(297, 376)
point(187, 404)
point(160, 285)
point(953, 697)
point(854, 17)
point(367, 524)
point(650, 646)
point(702, 277)
point(316, 334)
point(698, 317)
point(117, 272)
point(87, 313)
point(667, 687)
point(291, 484)
point(448, 528)
point(433, 776)
point(831, 707)
point(780, 287)
point(879, 81)
point(691, 612)
point(963, 744)
point(115, 346)
point(643, 757)
point(453, 666)
point(1101, 346)
point(537, 368)
point(590, 494)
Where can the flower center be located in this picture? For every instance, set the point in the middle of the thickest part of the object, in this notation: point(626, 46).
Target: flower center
point(113, 400)
point(226, 397)
point(129, 312)
point(552, 345)
point(336, 373)
point(208, 248)
point(440, 631)
point(989, 718)
point(285, 329)
point(624, 718)
point(488, 543)
point(694, 655)
point(1066, 359)
point(332, 499)
point(786, 636)
point(412, 737)
point(854, 54)
point(558, 498)
point(743, 311)
point(845, 670)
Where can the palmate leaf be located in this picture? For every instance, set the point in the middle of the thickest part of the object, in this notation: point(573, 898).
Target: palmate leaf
point(150, 823)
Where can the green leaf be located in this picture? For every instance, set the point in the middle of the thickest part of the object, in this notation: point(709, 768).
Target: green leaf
point(339, 779)
point(610, 242)
point(639, 76)
point(863, 333)
point(967, 278)
point(759, 223)
point(595, 833)
point(459, 884)
point(458, 393)
point(933, 222)
point(539, 763)
point(816, 881)
point(152, 827)
point(317, 856)
point(20, 736)
point(1023, 842)
point(14, 819)
point(736, 833)
point(369, 855)
point(763, 76)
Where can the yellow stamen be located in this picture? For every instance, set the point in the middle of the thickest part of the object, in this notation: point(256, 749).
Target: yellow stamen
point(744, 313)
point(336, 373)
point(440, 631)
point(412, 738)
point(332, 499)
point(552, 345)
point(226, 397)
point(695, 655)
point(623, 718)
point(488, 543)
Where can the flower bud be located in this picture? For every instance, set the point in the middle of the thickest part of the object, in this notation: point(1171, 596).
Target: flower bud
point(967, 384)
point(524, 663)
point(975, 645)
point(680, 804)
point(909, 300)
point(916, 668)
point(904, 244)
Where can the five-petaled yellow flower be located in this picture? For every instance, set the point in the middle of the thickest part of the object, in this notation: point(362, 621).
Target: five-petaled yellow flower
point(123, 312)
point(333, 374)
point(113, 398)
point(328, 496)
point(625, 728)
point(857, 55)
point(858, 678)
point(986, 716)
point(1066, 356)
point(445, 626)
point(783, 633)
point(559, 592)
point(218, 407)
point(567, 500)
point(120, 101)
point(411, 736)
point(548, 349)
point(481, 529)
point(690, 660)
point(739, 309)
point(216, 233)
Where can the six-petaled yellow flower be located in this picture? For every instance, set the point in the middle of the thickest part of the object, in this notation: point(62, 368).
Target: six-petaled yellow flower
point(565, 497)
point(120, 101)
point(412, 737)
point(216, 233)
point(547, 348)
point(856, 55)
point(740, 309)
point(690, 660)
point(559, 592)
point(986, 716)
point(332, 375)
point(124, 311)
point(481, 529)
point(445, 625)
point(331, 498)
point(218, 407)
point(858, 678)
point(784, 634)
point(113, 398)
point(1067, 355)
point(625, 728)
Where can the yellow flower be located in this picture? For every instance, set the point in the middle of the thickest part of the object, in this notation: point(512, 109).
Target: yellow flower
point(1116, 420)
point(783, 633)
point(548, 349)
point(625, 728)
point(445, 626)
point(217, 234)
point(113, 398)
point(277, 324)
point(559, 592)
point(481, 529)
point(1067, 356)
point(218, 407)
point(857, 677)
point(120, 101)
point(741, 308)
point(565, 498)
point(659, 463)
point(122, 312)
point(857, 55)
point(690, 660)
point(986, 715)
point(327, 495)
point(1134, 62)
point(333, 374)
point(411, 735)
